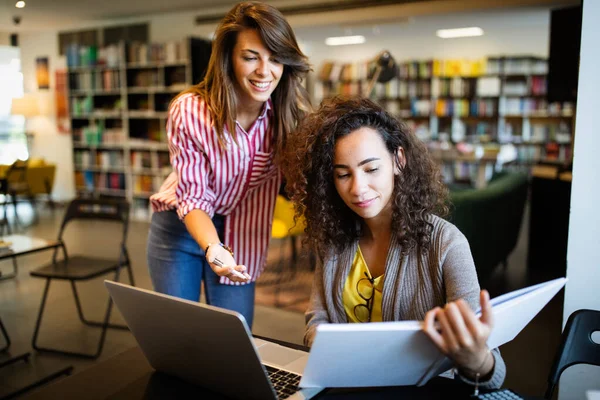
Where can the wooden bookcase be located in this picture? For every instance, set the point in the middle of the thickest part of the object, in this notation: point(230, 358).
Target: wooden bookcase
point(486, 103)
point(118, 110)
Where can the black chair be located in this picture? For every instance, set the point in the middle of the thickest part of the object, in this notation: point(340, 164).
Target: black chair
point(76, 268)
point(5, 202)
point(577, 346)
point(6, 337)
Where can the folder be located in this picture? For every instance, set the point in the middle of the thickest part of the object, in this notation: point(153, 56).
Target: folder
point(399, 353)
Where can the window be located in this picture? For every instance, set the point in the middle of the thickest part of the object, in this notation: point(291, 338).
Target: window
point(13, 142)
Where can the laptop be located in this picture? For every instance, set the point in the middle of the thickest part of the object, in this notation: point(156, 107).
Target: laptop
point(209, 346)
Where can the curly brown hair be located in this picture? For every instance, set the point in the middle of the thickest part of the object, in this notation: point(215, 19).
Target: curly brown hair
point(308, 168)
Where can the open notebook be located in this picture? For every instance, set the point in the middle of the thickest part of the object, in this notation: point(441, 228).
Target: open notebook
point(399, 353)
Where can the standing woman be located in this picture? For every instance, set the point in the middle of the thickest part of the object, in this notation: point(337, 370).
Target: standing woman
point(213, 214)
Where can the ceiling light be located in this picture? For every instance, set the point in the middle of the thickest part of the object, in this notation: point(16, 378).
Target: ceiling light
point(344, 40)
point(20, 4)
point(459, 32)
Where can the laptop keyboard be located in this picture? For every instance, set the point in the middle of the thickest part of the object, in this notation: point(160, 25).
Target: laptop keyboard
point(285, 383)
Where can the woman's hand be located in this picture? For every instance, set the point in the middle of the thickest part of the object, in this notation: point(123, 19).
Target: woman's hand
point(223, 264)
point(461, 336)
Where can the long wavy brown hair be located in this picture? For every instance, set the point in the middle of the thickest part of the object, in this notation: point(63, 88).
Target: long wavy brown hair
point(290, 99)
point(308, 167)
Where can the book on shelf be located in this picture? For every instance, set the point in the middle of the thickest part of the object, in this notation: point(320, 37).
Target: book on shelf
point(488, 86)
point(168, 52)
point(141, 160)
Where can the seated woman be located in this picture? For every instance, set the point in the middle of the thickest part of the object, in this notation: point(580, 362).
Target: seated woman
point(372, 196)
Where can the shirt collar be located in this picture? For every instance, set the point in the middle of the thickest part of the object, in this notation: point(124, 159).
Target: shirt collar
point(266, 109)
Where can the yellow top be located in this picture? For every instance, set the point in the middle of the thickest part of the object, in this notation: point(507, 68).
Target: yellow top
point(355, 305)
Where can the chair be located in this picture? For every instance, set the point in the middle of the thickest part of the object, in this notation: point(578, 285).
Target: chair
point(284, 228)
point(4, 221)
point(491, 219)
point(76, 268)
point(576, 345)
point(16, 184)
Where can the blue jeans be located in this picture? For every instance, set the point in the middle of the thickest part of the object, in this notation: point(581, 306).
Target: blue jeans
point(177, 266)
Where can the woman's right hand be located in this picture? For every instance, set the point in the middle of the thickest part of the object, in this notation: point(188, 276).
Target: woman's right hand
point(229, 265)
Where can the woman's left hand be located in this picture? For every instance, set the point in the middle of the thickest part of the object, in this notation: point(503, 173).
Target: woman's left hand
point(461, 336)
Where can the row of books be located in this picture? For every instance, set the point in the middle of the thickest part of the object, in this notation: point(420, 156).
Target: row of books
point(81, 106)
point(412, 108)
point(515, 88)
point(141, 159)
point(100, 180)
point(143, 78)
point(483, 108)
point(175, 76)
point(95, 135)
point(410, 89)
point(102, 159)
point(523, 106)
point(336, 71)
point(455, 87)
point(107, 80)
point(538, 86)
point(488, 86)
point(479, 107)
point(169, 52)
point(552, 151)
point(91, 56)
point(85, 106)
point(517, 65)
point(145, 184)
point(543, 133)
point(452, 107)
point(426, 69)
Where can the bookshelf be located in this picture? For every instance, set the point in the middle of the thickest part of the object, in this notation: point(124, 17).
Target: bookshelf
point(119, 98)
point(487, 104)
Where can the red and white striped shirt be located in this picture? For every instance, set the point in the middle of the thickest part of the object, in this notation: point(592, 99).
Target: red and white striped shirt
point(239, 182)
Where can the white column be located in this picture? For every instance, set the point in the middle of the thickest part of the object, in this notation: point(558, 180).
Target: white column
point(583, 257)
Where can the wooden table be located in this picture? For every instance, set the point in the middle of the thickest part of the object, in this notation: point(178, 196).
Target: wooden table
point(129, 376)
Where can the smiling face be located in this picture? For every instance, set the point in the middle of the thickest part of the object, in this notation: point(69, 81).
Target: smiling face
point(363, 173)
point(257, 71)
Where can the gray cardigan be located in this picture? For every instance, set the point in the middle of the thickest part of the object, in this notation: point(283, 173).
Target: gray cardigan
point(414, 283)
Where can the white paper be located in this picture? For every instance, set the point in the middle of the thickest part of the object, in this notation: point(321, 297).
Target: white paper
point(399, 353)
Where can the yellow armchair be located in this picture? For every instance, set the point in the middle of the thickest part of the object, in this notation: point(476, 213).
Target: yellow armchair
point(283, 220)
point(39, 176)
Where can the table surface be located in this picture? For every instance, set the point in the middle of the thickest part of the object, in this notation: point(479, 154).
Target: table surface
point(130, 376)
point(20, 245)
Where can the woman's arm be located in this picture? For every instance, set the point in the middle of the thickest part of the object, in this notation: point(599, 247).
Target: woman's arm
point(187, 132)
point(202, 229)
point(459, 333)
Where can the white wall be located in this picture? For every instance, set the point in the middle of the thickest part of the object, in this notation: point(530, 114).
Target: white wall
point(506, 32)
point(4, 39)
point(583, 266)
point(48, 143)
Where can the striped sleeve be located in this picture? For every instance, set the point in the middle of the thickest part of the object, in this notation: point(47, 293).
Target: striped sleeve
point(190, 129)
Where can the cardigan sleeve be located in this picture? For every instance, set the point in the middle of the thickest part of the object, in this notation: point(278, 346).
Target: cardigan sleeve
point(316, 313)
point(460, 280)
